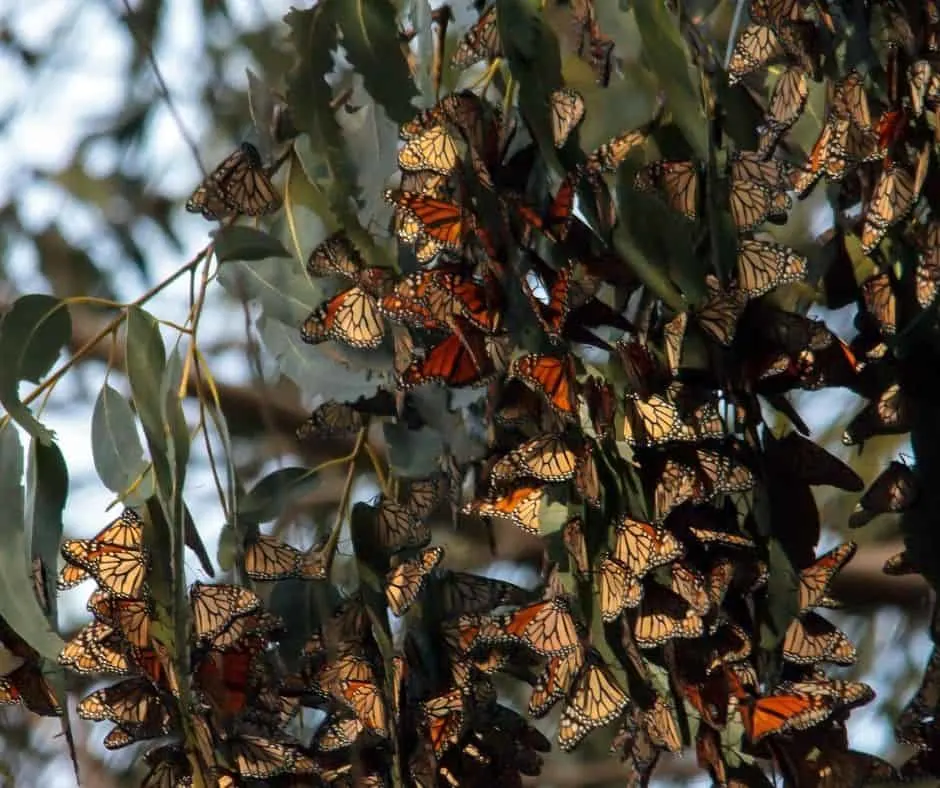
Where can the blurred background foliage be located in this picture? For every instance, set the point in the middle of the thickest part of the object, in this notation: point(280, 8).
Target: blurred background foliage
point(112, 111)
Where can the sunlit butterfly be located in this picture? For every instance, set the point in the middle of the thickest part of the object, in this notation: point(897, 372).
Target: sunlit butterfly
point(405, 581)
point(521, 505)
point(762, 266)
point(238, 186)
point(811, 639)
point(567, 109)
point(481, 42)
point(350, 317)
point(595, 700)
point(785, 107)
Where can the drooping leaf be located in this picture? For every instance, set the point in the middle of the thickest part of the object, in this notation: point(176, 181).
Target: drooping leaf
point(323, 370)
point(270, 495)
point(47, 488)
point(370, 38)
point(116, 449)
point(782, 596)
point(531, 48)
point(664, 50)
point(238, 242)
point(18, 604)
point(32, 334)
point(413, 454)
point(145, 361)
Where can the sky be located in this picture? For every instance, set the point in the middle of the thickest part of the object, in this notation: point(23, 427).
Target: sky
point(82, 83)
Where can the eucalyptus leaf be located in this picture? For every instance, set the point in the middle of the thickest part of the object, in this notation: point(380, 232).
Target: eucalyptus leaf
point(237, 242)
point(370, 38)
point(18, 604)
point(116, 449)
point(413, 454)
point(32, 334)
point(665, 51)
point(268, 498)
point(782, 596)
point(315, 368)
point(47, 489)
point(145, 361)
point(281, 287)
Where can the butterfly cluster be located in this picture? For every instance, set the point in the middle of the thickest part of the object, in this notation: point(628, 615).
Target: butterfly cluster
point(619, 433)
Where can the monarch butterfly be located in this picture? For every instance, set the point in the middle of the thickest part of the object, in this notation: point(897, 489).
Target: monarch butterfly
point(336, 256)
point(555, 681)
point(442, 221)
point(720, 575)
point(551, 312)
point(396, 529)
point(663, 615)
point(520, 505)
point(127, 733)
point(331, 418)
point(690, 584)
point(546, 627)
point(131, 701)
point(711, 473)
point(800, 705)
point(443, 718)
point(481, 42)
point(366, 701)
point(927, 272)
point(721, 310)
point(677, 181)
point(901, 564)
point(673, 339)
point(434, 149)
point(642, 547)
point(98, 648)
point(812, 639)
point(815, 579)
point(598, 395)
point(122, 571)
point(351, 317)
point(548, 458)
point(617, 587)
point(458, 361)
point(893, 197)
point(657, 419)
point(553, 378)
point(889, 414)
point(609, 156)
point(259, 758)
point(763, 266)
point(595, 700)
point(405, 581)
point(337, 732)
point(423, 496)
point(784, 109)
point(757, 46)
point(728, 644)
point(169, 767)
point(573, 536)
point(567, 110)
point(267, 558)
point(130, 617)
point(919, 74)
point(27, 685)
point(461, 593)
point(215, 607)
point(828, 156)
point(239, 185)
point(126, 531)
point(587, 483)
point(801, 458)
point(895, 490)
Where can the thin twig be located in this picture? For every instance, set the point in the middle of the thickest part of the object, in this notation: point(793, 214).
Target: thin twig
point(164, 89)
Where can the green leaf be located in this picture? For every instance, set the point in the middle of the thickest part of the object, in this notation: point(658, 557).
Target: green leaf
point(47, 488)
point(531, 48)
point(282, 288)
point(649, 273)
point(782, 596)
point(18, 604)
point(313, 33)
point(413, 454)
point(173, 418)
point(32, 334)
point(370, 37)
point(237, 242)
point(116, 449)
point(328, 370)
point(665, 51)
point(145, 362)
point(267, 499)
